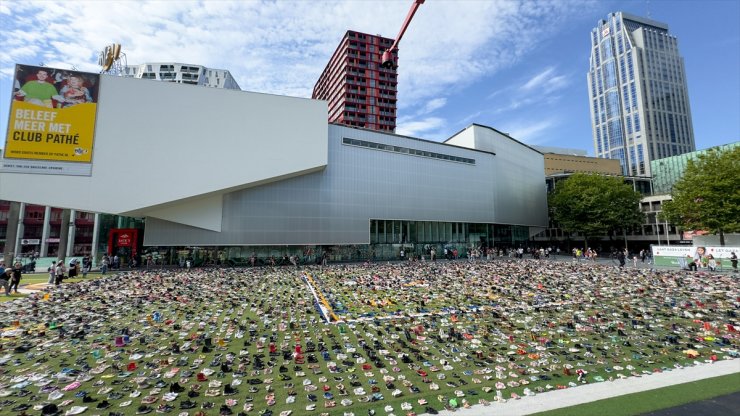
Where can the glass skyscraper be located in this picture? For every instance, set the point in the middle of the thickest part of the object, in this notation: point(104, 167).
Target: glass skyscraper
point(638, 93)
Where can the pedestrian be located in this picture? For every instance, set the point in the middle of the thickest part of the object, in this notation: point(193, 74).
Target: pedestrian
point(711, 263)
point(59, 271)
point(733, 260)
point(104, 265)
point(15, 276)
point(52, 273)
point(621, 257)
point(86, 265)
point(72, 270)
point(4, 279)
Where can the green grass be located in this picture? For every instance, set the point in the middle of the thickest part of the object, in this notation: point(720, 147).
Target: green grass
point(32, 279)
point(648, 401)
point(645, 353)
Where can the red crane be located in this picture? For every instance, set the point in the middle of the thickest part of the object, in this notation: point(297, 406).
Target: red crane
point(387, 60)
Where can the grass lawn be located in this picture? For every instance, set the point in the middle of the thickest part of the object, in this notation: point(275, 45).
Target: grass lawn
point(648, 401)
point(35, 278)
point(260, 327)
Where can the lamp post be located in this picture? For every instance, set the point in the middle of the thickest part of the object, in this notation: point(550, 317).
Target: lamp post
point(667, 237)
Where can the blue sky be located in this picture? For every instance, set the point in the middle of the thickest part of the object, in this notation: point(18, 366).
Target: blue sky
point(517, 66)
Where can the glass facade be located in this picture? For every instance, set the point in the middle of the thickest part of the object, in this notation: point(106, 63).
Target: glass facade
point(667, 171)
point(642, 96)
point(418, 237)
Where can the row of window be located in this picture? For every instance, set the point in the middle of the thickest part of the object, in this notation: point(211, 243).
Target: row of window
point(406, 150)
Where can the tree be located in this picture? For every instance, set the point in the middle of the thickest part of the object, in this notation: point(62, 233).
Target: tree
point(707, 197)
point(595, 205)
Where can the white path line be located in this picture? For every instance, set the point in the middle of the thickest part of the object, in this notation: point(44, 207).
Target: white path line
point(597, 391)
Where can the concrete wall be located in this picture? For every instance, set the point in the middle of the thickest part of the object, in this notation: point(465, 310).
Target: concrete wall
point(161, 146)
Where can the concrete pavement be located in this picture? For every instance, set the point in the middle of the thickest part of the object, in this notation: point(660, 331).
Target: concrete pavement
point(587, 393)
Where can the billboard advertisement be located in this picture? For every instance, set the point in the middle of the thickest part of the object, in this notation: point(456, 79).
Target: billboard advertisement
point(51, 125)
point(681, 255)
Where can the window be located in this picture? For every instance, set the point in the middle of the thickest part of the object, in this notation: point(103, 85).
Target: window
point(612, 104)
point(606, 49)
point(405, 150)
point(610, 75)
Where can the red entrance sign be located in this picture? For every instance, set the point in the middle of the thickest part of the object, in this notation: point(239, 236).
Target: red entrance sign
point(123, 237)
point(124, 240)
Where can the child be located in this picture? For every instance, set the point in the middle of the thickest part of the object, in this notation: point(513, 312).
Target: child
point(74, 92)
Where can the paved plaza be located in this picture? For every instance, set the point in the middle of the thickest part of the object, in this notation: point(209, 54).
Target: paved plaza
point(510, 336)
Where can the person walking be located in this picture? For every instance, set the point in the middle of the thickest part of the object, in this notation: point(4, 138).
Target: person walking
point(4, 279)
point(104, 265)
point(59, 270)
point(621, 257)
point(15, 277)
point(733, 260)
point(52, 272)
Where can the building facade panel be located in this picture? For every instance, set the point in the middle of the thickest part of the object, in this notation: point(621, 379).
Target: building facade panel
point(562, 163)
point(370, 176)
point(519, 194)
point(173, 144)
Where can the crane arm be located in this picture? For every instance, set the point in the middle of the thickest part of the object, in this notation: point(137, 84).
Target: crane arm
point(387, 60)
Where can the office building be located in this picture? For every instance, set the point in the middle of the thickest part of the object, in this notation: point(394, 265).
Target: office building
point(638, 93)
point(182, 74)
point(360, 92)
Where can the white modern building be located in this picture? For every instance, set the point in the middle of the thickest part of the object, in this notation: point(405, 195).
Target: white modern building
point(638, 93)
point(239, 179)
point(182, 74)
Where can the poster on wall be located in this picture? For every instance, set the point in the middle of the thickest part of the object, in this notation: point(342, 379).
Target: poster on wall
point(51, 125)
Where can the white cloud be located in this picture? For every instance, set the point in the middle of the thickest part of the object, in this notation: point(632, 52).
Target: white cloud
point(417, 128)
point(431, 106)
point(538, 79)
point(529, 131)
point(281, 47)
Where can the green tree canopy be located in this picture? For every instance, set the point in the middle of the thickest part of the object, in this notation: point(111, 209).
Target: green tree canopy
point(595, 205)
point(707, 197)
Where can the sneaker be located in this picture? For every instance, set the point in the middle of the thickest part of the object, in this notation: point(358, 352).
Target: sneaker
point(75, 410)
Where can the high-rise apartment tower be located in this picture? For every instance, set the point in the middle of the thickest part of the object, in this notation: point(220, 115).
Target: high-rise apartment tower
point(638, 93)
point(360, 92)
